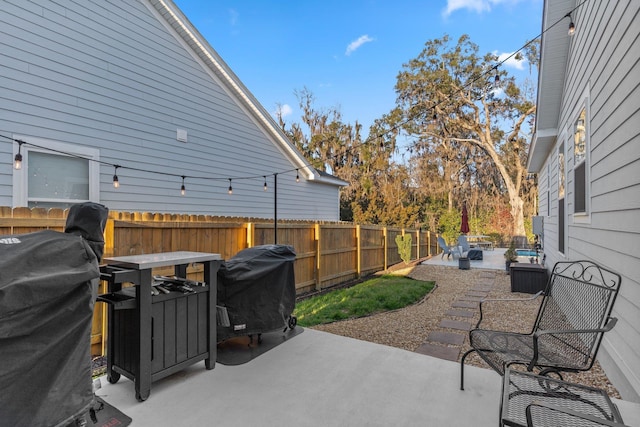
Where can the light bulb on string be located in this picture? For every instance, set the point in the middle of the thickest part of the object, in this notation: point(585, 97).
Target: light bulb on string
point(17, 161)
point(297, 176)
point(572, 26)
point(265, 183)
point(496, 77)
point(183, 188)
point(116, 182)
point(230, 191)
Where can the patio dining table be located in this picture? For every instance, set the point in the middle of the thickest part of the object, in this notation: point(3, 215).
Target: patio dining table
point(480, 241)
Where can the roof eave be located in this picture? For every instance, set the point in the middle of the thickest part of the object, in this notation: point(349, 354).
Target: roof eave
point(541, 145)
point(554, 53)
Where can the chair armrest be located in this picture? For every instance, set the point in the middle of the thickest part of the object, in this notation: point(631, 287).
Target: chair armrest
point(609, 326)
point(505, 300)
point(536, 335)
point(566, 416)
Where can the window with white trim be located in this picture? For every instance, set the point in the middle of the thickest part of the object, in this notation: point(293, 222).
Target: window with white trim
point(580, 164)
point(561, 194)
point(55, 174)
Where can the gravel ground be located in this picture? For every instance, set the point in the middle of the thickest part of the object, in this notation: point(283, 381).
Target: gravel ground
point(408, 327)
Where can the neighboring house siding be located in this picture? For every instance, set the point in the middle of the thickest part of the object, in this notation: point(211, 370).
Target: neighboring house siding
point(110, 75)
point(604, 66)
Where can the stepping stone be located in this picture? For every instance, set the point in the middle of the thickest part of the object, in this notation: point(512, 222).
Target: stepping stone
point(468, 298)
point(464, 304)
point(460, 313)
point(479, 288)
point(485, 283)
point(450, 338)
point(477, 294)
point(455, 324)
point(439, 351)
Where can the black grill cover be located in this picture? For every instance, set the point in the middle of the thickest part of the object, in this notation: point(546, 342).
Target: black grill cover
point(257, 287)
point(88, 220)
point(48, 287)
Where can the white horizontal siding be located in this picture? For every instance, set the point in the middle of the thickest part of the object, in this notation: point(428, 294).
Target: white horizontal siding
point(604, 62)
point(110, 75)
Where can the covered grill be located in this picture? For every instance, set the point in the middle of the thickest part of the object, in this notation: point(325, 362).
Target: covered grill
point(256, 291)
point(48, 287)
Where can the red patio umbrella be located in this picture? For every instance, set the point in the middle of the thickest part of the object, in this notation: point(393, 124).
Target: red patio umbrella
point(464, 224)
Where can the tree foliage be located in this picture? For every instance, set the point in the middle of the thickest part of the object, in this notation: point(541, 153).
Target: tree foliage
point(467, 138)
point(465, 122)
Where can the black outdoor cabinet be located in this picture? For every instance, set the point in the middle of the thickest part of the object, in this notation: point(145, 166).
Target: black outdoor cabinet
point(153, 336)
point(528, 278)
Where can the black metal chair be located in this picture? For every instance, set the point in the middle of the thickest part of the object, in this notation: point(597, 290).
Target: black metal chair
point(530, 400)
point(573, 316)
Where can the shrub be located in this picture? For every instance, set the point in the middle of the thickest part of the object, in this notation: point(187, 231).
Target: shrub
point(404, 247)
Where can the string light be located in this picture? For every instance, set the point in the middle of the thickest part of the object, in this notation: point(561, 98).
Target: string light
point(116, 182)
point(572, 26)
point(17, 163)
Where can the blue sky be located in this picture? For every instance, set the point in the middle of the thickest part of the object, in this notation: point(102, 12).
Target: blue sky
point(349, 52)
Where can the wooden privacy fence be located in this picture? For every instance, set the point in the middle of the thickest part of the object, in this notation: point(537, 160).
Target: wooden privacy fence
point(326, 253)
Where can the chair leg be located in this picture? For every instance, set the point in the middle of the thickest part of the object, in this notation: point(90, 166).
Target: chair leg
point(464, 356)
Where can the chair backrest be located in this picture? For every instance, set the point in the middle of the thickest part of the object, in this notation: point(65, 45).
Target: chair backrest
point(462, 241)
point(443, 244)
point(579, 295)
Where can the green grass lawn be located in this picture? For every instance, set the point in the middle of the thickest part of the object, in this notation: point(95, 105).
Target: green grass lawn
point(384, 293)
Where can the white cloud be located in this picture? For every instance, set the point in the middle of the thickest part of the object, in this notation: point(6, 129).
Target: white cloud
point(284, 110)
point(511, 62)
point(477, 6)
point(354, 45)
point(498, 92)
point(473, 5)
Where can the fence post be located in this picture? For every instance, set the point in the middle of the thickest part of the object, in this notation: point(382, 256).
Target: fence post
point(109, 238)
point(251, 230)
point(109, 244)
point(318, 257)
point(417, 243)
point(386, 258)
point(358, 251)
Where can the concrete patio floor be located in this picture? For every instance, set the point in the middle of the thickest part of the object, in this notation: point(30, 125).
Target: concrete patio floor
point(317, 379)
point(321, 379)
